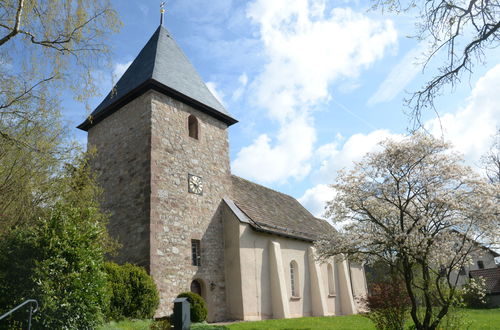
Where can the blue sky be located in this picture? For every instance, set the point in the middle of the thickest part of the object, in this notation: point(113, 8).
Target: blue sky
point(314, 84)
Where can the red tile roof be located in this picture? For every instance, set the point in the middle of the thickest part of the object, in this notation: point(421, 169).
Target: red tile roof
point(492, 277)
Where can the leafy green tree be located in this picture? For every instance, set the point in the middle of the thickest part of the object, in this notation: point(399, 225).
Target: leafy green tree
point(59, 259)
point(47, 46)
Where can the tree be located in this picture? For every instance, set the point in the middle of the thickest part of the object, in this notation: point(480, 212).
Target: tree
point(462, 29)
point(27, 184)
point(46, 47)
point(59, 259)
point(491, 161)
point(415, 206)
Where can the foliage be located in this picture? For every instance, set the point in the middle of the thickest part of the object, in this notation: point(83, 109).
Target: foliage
point(388, 305)
point(27, 184)
point(58, 259)
point(40, 43)
point(198, 307)
point(474, 293)
point(463, 30)
point(46, 48)
point(416, 207)
point(133, 292)
point(163, 324)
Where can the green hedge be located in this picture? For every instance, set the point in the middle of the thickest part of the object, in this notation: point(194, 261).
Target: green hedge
point(197, 305)
point(133, 292)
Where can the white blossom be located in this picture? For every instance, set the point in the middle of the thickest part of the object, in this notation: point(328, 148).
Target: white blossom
point(415, 203)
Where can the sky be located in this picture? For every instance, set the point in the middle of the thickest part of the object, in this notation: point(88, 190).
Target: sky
point(314, 84)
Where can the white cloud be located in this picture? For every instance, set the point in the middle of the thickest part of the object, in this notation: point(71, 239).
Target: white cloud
point(335, 155)
point(400, 76)
point(261, 161)
point(307, 50)
point(213, 88)
point(243, 81)
point(470, 129)
point(315, 198)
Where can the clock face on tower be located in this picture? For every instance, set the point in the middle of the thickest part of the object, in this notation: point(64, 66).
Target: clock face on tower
point(195, 184)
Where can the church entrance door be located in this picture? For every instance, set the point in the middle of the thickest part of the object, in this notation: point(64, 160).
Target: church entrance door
point(196, 287)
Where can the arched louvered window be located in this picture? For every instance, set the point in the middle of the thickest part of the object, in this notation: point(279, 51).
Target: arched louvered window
point(193, 127)
point(294, 279)
point(331, 281)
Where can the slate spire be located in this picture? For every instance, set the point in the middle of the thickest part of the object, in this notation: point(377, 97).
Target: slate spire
point(161, 65)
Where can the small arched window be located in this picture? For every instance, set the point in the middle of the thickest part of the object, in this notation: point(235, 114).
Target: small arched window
point(193, 127)
point(294, 279)
point(480, 264)
point(331, 281)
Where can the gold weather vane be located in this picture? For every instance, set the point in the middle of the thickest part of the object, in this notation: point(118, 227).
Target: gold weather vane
point(162, 11)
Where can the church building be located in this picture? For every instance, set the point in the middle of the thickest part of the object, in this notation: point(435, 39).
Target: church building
point(163, 162)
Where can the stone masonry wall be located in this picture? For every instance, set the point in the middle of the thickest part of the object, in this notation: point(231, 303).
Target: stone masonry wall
point(178, 216)
point(122, 163)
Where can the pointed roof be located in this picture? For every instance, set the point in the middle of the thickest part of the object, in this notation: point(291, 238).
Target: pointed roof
point(161, 65)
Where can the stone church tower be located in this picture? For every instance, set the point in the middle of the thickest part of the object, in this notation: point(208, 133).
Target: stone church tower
point(163, 163)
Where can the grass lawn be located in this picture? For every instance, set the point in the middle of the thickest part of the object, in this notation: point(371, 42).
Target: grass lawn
point(478, 319)
point(333, 322)
point(484, 319)
point(127, 325)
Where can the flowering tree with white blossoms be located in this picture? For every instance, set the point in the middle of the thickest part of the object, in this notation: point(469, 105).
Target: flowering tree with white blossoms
point(415, 206)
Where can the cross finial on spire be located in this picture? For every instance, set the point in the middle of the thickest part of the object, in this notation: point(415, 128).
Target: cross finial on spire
point(162, 11)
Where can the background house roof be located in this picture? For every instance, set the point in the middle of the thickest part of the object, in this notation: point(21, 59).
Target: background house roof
point(277, 213)
point(491, 276)
point(163, 66)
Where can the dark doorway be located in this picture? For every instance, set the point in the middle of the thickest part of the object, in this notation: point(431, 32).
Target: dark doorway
point(196, 287)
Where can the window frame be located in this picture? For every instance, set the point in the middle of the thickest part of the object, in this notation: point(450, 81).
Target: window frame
point(331, 280)
point(294, 280)
point(196, 252)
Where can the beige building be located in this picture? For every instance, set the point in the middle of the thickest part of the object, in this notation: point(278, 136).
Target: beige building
point(163, 163)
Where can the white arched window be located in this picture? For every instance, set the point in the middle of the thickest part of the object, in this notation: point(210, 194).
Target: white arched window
point(193, 127)
point(331, 281)
point(294, 279)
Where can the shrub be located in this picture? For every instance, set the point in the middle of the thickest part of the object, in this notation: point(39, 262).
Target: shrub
point(58, 262)
point(133, 292)
point(388, 304)
point(198, 307)
point(474, 293)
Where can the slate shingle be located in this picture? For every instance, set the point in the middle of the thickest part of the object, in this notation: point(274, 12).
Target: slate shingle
point(160, 65)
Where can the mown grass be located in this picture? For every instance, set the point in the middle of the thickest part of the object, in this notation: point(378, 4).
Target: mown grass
point(476, 319)
point(333, 322)
point(483, 319)
point(127, 325)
